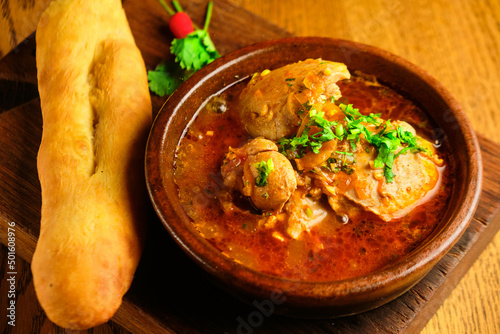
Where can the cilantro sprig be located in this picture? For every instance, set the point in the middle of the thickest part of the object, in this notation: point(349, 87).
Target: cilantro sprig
point(166, 77)
point(196, 49)
point(193, 49)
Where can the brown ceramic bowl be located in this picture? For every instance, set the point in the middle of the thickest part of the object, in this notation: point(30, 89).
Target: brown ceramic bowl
point(301, 298)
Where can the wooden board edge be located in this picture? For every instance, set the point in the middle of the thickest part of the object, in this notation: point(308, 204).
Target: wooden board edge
point(454, 276)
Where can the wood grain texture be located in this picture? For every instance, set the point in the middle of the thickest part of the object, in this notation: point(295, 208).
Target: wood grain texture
point(457, 42)
point(18, 20)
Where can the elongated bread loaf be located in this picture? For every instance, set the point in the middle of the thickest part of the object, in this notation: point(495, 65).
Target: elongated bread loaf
point(96, 112)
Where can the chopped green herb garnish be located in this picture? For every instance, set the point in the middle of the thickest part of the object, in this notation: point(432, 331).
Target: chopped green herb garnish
point(325, 134)
point(345, 153)
point(347, 169)
point(310, 142)
point(264, 169)
point(339, 130)
point(308, 212)
point(389, 142)
point(386, 142)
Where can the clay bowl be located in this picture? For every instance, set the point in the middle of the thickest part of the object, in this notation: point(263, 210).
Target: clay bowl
point(300, 298)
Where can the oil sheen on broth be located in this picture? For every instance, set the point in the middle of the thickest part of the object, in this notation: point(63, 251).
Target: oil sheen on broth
point(335, 218)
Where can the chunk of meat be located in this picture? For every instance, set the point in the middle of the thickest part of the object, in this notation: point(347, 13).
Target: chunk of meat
point(232, 166)
point(280, 185)
point(416, 176)
point(304, 212)
point(239, 172)
point(271, 104)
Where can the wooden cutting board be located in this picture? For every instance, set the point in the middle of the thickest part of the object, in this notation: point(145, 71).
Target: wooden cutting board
point(170, 294)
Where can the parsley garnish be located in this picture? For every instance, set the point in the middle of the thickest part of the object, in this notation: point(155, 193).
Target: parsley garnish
point(386, 141)
point(344, 152)
point(310, 142)
point(347, 169)
point(264, 168)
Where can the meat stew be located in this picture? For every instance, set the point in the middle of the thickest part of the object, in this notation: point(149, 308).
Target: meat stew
point(326, 210)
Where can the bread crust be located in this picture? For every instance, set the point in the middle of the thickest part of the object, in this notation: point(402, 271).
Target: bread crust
point(96, 112)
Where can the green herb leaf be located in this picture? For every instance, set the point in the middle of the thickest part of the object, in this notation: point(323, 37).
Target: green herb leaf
point(339, 130)
point(194, 51)
point(344, 152)
point(166, 77)
point(310, 142)
point(264, 169)
point(347, 169)
point(308, 211)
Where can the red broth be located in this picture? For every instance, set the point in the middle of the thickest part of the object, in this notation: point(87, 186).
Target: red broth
point(332, 250)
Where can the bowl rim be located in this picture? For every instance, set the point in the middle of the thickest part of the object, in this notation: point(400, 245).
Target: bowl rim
point(251, 280)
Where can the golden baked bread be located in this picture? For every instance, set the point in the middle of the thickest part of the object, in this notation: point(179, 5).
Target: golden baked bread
point(96, 112)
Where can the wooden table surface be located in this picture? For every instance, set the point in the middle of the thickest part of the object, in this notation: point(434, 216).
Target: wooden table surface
point(456, 41)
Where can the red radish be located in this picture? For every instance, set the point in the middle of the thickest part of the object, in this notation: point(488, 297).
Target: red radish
point(181, 25)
